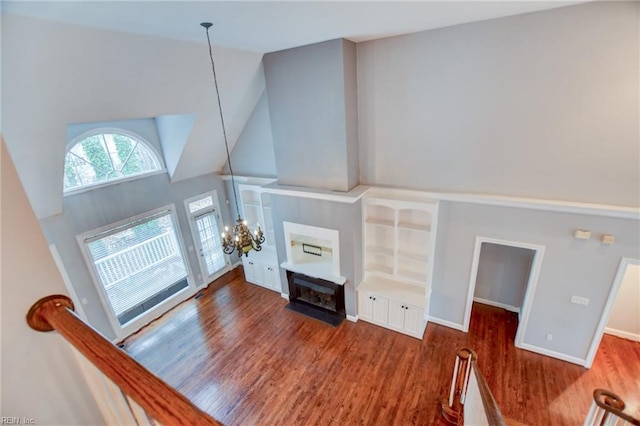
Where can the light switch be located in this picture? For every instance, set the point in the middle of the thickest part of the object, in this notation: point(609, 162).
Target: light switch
point(582, 234)
point(608, 239)
point(580, 300)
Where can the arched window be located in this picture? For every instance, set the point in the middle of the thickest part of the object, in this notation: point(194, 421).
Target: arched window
point(106, 155)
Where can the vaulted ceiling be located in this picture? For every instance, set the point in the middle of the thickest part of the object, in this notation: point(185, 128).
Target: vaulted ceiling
point(267, 26)
point(99, 61)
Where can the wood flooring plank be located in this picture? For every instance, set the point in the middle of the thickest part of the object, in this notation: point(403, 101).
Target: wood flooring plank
point(242, 357)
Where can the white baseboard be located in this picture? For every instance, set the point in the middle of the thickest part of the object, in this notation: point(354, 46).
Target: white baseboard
point(446, 323)
point(284, 296)
point(352, 318)
point(497, 304)
point(553, 354)
point(623, 334)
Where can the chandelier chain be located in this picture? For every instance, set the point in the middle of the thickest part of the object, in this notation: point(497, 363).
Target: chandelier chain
point(224, 130)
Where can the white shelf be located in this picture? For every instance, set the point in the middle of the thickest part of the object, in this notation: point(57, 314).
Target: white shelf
point(251, 204)
point(379, 222)
point(383, 251)
point(413, 276)
point(395, 289)
point(414, 227)
point(377, 267)
point(418, 257)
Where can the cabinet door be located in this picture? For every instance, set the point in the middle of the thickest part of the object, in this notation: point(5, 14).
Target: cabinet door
point(380, 310)
point(248, 270)
point(253, 272)
point(396, 315)
point(365, 305)
point(271, 278)
point(413, 320)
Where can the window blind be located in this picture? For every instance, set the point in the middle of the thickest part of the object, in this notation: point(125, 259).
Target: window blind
point(139, 264)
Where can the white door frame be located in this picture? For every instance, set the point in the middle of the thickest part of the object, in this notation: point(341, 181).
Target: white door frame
point(532, 281)
point(606, 312)
point(214, 208)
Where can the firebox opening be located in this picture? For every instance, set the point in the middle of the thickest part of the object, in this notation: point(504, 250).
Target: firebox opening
point(316, 298)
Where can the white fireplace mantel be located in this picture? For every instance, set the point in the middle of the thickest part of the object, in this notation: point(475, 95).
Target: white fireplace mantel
point(325, 265)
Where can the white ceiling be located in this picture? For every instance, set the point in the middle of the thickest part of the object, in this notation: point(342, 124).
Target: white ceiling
point(266, 26)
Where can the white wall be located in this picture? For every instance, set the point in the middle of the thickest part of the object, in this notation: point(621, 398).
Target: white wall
point(543, 105)
point(40, 377)
point(570, 267)
point(625, 314)
point(503, 272)
point(55, 74)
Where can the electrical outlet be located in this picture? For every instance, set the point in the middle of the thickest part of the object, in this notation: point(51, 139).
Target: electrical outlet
point(549, 336)
point(580, 300)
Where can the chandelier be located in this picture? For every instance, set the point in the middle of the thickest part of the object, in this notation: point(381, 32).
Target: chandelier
point(240, 238)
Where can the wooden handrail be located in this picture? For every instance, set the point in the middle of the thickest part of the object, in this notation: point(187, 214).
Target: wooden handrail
point(452, 410)
point(613, 404)
point(494, 416)
point(156, 397)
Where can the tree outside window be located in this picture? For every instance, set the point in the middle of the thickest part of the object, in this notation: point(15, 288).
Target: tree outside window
point(105, 157)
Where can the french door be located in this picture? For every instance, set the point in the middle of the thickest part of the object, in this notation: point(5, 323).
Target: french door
point(205, 229)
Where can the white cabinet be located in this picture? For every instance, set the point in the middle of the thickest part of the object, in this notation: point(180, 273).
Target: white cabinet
point(260, 267)
point(404, 317)
point(398, 241)
point(374, 308)
point(263, 274)
point(271, 277)
point(396, 315)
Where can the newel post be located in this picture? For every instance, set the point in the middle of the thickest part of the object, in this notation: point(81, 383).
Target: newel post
point(38, 313)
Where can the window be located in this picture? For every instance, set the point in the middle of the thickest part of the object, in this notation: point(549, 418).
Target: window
point(203, 214)
point(105, 156)
point(138, 264)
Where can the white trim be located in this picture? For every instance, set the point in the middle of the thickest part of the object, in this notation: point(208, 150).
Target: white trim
point(350, 197)
point(104, 184)
point(352, 318)
point(197, 244)
point(593, 209)
point(77, 302)
point(553, 354)
point(621, 333)
point(446, 323)
point(606, 311)
point(314, 273)
point(250, 180)
point(623, 212)
point(285, 296)
point(123, 331)
point(530, 290)
point(497, 304)
point(119, 130)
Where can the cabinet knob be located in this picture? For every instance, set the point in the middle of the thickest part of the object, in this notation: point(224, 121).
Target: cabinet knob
point(402, 306)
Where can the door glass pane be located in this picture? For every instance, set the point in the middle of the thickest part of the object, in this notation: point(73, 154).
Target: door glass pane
point(211, 248)
point(139, 266)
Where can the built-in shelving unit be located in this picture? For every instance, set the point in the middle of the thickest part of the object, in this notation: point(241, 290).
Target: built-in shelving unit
point(399, 241)
point(261, 267)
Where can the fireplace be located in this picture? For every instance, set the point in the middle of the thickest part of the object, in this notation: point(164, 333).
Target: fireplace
point(317, 298)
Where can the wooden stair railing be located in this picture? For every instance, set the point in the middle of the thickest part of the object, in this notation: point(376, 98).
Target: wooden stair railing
point(157, 398)
point(470, 399)
point(607, 408)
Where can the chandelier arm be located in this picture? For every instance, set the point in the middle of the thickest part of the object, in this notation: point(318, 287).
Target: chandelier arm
point(224, 131)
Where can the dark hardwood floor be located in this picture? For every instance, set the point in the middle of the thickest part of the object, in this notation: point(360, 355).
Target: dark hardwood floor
point(243, 358)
